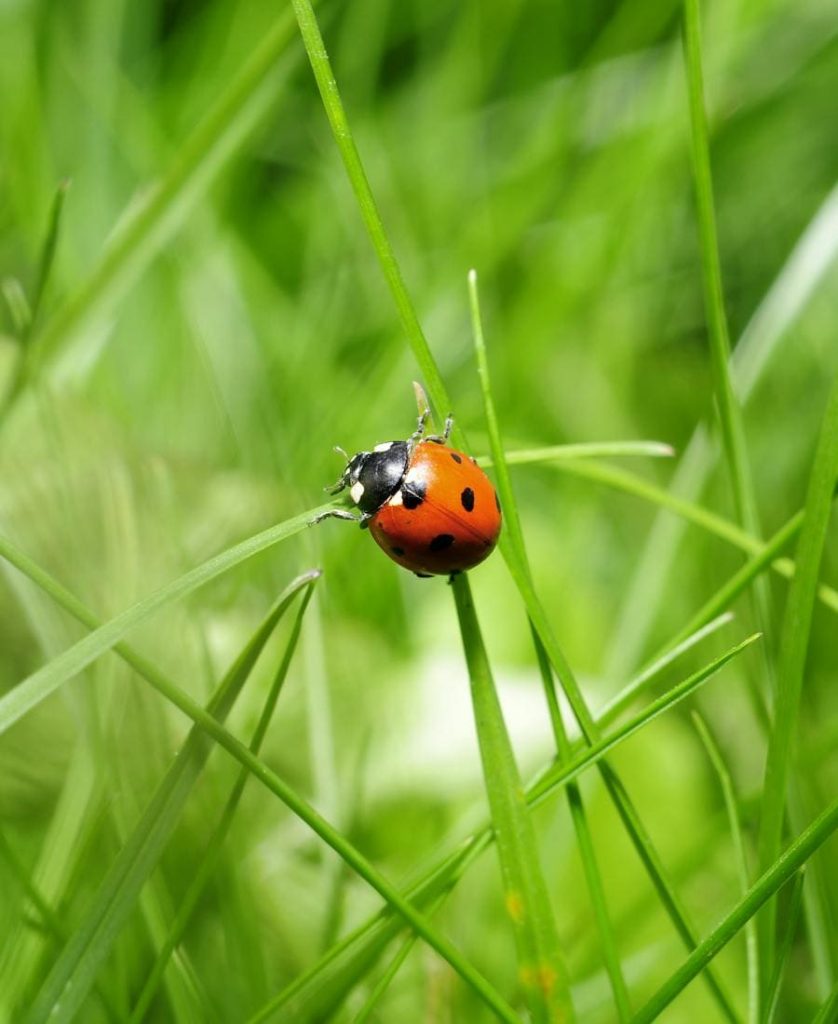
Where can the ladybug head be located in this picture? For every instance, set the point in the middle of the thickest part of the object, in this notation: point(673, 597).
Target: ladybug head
point(374, 477)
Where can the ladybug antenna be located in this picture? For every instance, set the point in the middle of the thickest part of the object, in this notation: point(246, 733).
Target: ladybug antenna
point(337, 448)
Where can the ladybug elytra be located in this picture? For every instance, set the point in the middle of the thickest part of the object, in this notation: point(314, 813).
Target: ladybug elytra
point(429, 507)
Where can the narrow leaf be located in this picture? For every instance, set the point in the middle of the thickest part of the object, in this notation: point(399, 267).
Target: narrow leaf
point(541, 968)
point(37, 687)
point(71, 976)
point(762, 890)
point(794, 644)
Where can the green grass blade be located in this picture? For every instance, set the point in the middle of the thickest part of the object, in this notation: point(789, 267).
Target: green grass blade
point(541, 970)
point(584, 841)
point(769, 883)
point(387, 976)
point(35, 688)
point(784, 952)
point(648, 675)
point(585, 450)
point(593, 753)
point(630, 483)
point(152, 221)
point(47, 255)
point(333, 105)
point(339, 969)
point(514, 552)
point(739, 854)
point(435, 881)
point(828, 1011)
point(794, 643)
point(275, 785)
point(205, 869)
point(730, 416)
point(72, 975)
point(513, 527)
point(728, 592)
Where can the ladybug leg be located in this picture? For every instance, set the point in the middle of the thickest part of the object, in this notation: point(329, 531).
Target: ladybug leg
point(340, 513)
point(343, 479)
point(443, 437)
point(419, 432)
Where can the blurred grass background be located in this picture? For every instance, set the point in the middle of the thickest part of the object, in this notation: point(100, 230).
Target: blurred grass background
point(192, 393)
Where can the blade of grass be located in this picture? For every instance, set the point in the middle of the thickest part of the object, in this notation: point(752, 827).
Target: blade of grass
point(797, 281)
point(828, 1011)
point(730, 415)
point(630, 483)
point(47, 256)
point(739, 855)
point(794, 643)
point(35, 688)
point(75, 970)
point(213, 847)
point(333, 105)
point(592, 753)
point(435, 881)
point(152, 221)
point(514, 552)
point(784, 953)
point(577, 811)
point(541, 969)
point(351, 957)
point(587, 853)
point(391, 971)
point(301, 808)
point(766, 886)
point(643, 680)
point(728, 592)
point(48, 920)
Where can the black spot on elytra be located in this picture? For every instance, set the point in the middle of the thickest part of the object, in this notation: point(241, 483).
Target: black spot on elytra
point(397, 550)
point(467, 499)
point(441, 542)
point(413, 494)
point(456, 457)
point(497, 502)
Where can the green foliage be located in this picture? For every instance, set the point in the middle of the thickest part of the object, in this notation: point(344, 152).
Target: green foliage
point(252, 264)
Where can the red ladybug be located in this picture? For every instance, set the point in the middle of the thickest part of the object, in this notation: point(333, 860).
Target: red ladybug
point(428, 507)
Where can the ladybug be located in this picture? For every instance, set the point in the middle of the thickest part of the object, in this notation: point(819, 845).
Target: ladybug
point(429, 507)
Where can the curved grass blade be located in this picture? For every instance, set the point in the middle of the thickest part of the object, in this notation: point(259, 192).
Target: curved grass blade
point(435, 881)
point(794, 643)
point(541, 969)
point(740, 857)
point(514, 552)
point(793, 918)
point(391, 971)
point(829, 1010)
point(72, 975)
point(513, 526)
point(48, 920)
point(760, 892)
point(37, 687)
point(798, 280)
point(630, 483)
point(584, 841)
point(214, 845)
point(301, 808)
point(643, 680)
point(333, 105)
point(166, 204)
point(316, 993)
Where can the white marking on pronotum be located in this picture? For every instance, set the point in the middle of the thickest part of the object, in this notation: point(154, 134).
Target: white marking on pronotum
point(396, 499)
point(356, 491)
point(385, 446)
